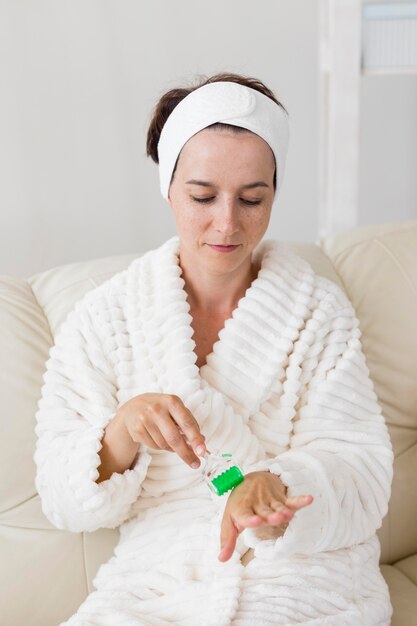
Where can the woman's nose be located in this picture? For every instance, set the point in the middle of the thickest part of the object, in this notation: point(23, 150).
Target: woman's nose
point(227, 219)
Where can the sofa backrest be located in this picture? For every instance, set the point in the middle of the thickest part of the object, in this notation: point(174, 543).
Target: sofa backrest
point(45, 573)
point(378, 268)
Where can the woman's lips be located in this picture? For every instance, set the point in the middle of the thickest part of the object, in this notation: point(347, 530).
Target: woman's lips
point(223, 248)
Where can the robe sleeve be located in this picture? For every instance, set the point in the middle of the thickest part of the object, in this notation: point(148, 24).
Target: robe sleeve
point(340, 450)
point(78, 400)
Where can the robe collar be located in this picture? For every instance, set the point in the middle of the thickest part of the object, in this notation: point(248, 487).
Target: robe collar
point(249, 358)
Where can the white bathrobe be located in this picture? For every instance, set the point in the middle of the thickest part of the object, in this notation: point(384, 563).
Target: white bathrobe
point(286, 388)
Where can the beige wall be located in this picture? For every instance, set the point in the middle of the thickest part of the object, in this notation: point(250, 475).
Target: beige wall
point(388, 149)
point(388, 146)
point(79, 80)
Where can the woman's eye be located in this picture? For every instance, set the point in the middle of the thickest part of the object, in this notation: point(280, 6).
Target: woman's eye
point(202, 199)
point(249, 202)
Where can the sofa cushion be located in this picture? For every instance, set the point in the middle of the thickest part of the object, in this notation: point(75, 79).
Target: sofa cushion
point(24, 344)
point(403, 593)
point(408, 567)
point(58, 289)
point(377, 265)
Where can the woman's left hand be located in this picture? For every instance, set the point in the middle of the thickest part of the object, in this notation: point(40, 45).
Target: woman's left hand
point(260, 500)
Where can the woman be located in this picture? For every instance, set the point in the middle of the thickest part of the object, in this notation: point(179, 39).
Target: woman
point(219, 340)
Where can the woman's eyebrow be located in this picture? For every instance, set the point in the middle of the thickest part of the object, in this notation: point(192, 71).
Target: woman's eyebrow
point(204, 183)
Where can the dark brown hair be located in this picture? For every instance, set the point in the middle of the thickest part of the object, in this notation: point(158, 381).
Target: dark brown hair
point(171, 98)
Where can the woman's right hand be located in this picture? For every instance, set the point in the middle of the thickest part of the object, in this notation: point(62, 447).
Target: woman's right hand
point(162, 422)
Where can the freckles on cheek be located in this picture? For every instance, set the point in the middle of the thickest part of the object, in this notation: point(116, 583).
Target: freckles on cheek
point(256, 222)
point(190, 227)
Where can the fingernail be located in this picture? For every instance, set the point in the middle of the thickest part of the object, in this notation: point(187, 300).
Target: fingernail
point(200, 449)
point(195, 464)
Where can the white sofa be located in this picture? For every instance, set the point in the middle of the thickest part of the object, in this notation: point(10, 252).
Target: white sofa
point(46, 573)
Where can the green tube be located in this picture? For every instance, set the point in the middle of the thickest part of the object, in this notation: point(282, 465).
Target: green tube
point(220, 472)
point(227, 480)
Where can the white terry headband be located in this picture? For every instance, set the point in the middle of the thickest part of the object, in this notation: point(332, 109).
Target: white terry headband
point(227, 102)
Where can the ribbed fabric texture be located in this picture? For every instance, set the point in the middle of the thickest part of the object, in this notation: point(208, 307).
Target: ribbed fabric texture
point(285, 389)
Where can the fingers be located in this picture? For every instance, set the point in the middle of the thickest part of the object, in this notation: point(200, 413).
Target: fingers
point(162, 421)
point(252, 505)
point(187, 423)
point(145, 438)
point(177, 442)
point(286, 510)
point(228, 537)
point(298, 502)
point(246, 517)
point(154, 432)
point(230, 528)
point(276, 513)
point(257, 503)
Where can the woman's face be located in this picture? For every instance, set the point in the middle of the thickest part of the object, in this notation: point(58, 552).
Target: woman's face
point(226, 210)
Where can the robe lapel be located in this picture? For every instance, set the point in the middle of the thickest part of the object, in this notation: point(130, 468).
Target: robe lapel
point(249, 357)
